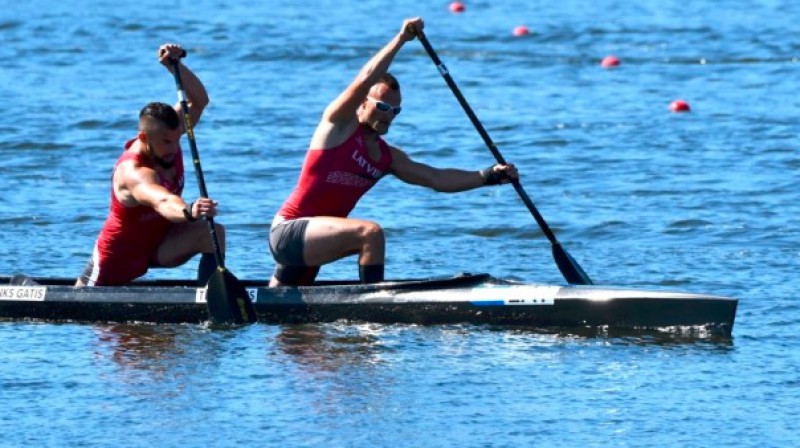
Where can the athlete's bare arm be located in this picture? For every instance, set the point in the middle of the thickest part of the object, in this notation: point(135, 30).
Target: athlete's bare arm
point(196, 94)
point(448, 180)
point(339, 119)
point(137, 185)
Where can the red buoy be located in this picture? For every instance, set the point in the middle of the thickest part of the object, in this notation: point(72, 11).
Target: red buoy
point(456, 7)
point(521, 30)
point(609, 61)
point(679, 106)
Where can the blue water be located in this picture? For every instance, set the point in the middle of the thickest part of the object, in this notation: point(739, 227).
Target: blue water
point(704, 202)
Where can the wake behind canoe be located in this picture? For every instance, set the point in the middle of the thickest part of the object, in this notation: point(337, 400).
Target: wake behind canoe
point(463, 298)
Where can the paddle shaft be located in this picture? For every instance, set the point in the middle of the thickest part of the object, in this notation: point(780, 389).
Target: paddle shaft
point(485, 136)
point(568, 266)
point(227, 300)
point(198, 169)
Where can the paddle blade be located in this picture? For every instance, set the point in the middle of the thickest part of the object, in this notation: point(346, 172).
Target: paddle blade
point(570, 268)
point(228, 301)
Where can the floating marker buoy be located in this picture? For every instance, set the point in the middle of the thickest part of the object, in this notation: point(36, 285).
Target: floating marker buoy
point(679, 106)
point(609, 61)
point(456, 7)
point(521, 30)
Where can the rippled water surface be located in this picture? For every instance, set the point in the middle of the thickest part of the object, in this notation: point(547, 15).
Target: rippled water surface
point(704, 201)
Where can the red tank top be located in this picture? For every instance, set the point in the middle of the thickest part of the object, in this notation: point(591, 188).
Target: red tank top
point(333, 180)
point(136, 231)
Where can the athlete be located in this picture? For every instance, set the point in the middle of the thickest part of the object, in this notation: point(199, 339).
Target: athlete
point(149, 223)
point(347, 157)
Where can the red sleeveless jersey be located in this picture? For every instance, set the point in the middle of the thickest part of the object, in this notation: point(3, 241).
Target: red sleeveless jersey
point(333, 180)
point(131, 235)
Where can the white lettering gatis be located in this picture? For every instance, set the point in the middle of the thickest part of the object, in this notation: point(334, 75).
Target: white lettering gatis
point(23, 293)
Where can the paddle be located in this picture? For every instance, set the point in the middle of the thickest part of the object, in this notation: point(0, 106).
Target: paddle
point(227, 300)
point(569, 268)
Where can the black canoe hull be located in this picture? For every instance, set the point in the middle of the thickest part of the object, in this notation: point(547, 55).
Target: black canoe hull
point(475, 299)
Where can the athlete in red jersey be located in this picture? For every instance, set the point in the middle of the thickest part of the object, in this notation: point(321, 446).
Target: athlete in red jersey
point(149, 224)
point(347, 156)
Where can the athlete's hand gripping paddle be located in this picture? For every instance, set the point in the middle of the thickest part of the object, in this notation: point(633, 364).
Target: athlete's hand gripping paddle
point(227, 299)
point(569, 268)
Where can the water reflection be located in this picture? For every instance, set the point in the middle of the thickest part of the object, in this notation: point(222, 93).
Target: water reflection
point(170, 352)
point(330, 348)
point(139, 347)
point(669, 336)
point(340, 370)
point(315, 348)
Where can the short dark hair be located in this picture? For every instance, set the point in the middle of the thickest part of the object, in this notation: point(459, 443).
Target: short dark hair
point(160, 112)
point(390, 81)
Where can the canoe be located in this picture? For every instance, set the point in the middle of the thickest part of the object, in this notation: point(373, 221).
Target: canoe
point(462, 298)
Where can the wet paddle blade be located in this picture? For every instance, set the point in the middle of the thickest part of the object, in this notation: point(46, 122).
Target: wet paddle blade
point(570, 268)
point(227, 299)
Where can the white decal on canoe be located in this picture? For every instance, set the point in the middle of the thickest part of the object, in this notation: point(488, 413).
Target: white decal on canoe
point(23, 293)
point(514, 295)
point(494, 295)
point(200, 294)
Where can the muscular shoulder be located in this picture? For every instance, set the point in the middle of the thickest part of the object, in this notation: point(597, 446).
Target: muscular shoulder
point(133, 170)
point(330, 134)
point(129, 175)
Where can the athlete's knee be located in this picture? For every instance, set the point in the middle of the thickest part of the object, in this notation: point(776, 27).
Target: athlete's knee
point(371, 232)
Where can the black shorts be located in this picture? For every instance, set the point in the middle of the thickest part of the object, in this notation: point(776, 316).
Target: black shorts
point(286, 242)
